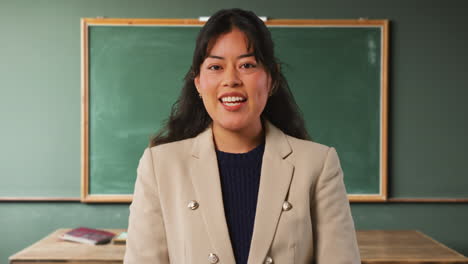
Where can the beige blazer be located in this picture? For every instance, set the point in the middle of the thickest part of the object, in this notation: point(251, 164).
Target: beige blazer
point(177, 213)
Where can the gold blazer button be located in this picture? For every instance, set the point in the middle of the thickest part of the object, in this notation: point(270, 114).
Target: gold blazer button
point(287, 206)
point(268, 260)
point(193, 205)
point(213, 258)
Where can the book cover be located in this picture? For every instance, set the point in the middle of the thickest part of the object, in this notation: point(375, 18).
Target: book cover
point(88, 236)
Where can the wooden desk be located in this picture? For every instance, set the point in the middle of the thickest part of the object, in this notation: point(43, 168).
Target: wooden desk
point(52, 250)
point(392, 247)
point(376, 246)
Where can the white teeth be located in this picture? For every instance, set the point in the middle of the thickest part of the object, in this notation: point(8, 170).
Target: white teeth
point(232, 99)
point(232, 104)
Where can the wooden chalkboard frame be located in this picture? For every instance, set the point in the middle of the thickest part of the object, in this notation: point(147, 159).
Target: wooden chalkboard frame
point(382, 196)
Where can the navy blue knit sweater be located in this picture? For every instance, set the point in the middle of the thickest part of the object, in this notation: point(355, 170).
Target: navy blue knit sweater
point(240, 179)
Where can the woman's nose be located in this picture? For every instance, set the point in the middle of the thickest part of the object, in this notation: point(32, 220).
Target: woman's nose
point(231, 77)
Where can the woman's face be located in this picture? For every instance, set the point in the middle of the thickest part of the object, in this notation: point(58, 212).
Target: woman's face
point(233, 86)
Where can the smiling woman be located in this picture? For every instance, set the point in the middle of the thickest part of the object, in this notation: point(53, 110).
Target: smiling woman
point(232, 177)
point(234, 88)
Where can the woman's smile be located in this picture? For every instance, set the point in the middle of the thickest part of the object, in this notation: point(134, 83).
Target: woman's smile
point(232, 101)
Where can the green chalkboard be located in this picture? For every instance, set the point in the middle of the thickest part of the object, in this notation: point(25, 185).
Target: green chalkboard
point(134, 71)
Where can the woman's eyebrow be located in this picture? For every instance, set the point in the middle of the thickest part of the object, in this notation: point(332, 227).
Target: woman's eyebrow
point(215, 57)
point(246, 55)
point(238, 57)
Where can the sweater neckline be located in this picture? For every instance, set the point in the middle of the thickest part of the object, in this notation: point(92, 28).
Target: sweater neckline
point(254, 151)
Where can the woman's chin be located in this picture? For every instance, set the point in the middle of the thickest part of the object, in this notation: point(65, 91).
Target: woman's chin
point(234, 125)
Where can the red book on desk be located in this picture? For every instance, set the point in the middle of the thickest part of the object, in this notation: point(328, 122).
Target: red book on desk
point(88, 236)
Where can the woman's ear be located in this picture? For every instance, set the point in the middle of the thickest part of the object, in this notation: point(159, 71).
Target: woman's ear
point(273, 85)
point(270, 86)
point(196, 81)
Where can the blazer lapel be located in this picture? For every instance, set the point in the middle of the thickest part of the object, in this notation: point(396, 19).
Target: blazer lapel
point(207, 185)
point(275, 180)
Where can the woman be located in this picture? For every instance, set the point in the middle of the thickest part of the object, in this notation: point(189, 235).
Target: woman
point(231, 178)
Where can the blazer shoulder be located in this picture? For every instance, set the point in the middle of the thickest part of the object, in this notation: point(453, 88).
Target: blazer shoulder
point(173, 149)
point(307, 147)
point(311, 157)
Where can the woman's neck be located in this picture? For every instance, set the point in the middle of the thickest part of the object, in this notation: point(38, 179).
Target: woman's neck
point(238, 141)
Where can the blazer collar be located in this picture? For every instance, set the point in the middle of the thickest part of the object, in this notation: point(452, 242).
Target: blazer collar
point(275, 140)
point(275, 178)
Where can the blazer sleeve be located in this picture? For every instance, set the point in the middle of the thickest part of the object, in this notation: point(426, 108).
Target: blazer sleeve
point(333, 226)
point(146, 242)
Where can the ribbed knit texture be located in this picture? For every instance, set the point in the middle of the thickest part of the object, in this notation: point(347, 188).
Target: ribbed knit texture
point(240, 180)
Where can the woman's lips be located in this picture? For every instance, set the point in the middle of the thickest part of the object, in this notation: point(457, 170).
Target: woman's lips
point(232, 106)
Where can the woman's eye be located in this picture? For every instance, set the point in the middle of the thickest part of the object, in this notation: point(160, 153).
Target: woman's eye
point(248, 65)
point(214, 67)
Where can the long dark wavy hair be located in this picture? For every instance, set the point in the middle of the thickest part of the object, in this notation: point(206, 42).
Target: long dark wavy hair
point(189, 117)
